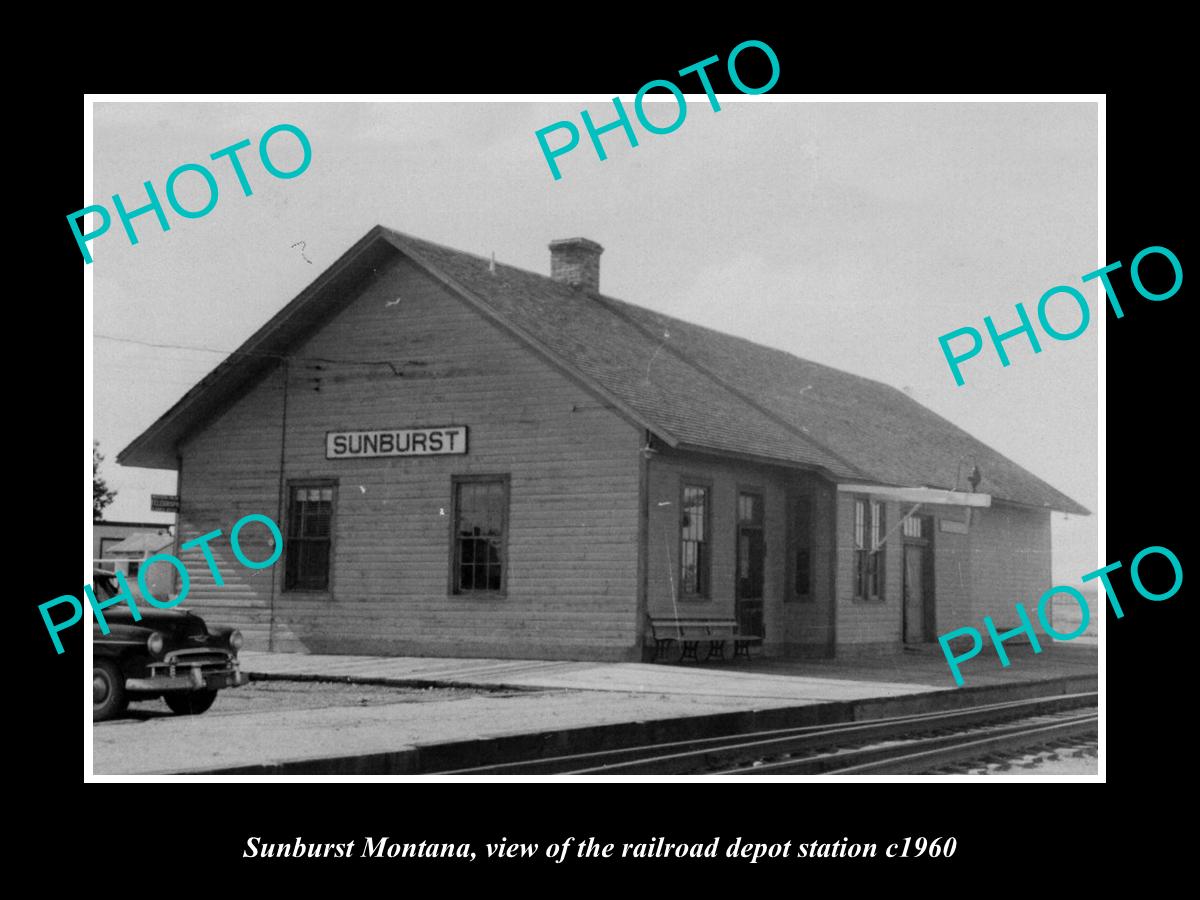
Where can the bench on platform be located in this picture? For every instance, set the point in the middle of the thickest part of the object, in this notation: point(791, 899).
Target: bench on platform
point(692, 631)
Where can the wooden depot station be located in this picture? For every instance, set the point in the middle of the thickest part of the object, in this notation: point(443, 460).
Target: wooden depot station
point(469, 459)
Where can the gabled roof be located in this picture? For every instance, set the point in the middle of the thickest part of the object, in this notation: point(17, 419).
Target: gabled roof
point(697, 388)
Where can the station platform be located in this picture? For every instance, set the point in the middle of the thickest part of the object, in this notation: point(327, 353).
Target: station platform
point(770, 678)
point(365, 716)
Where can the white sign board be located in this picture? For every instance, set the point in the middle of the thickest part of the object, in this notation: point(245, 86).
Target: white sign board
point(446, 439)
point(919, 494)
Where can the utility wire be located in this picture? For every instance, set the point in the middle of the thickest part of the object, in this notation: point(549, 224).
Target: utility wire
point(261, 353)
point(125, 340)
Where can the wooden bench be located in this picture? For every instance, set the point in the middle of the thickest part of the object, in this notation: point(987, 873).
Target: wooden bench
point(692, 631)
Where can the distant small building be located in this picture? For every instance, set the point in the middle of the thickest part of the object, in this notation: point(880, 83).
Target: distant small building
point(139, 546)
point(129, 553)
point(1066, 614)
point(107, 535)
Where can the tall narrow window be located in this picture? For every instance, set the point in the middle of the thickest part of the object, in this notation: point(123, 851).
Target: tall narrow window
point(860, 546)
point(480, 535)
point(694, 541)
point(870, 530)
point(875, 557)
point(309, 537)
point(801, 536)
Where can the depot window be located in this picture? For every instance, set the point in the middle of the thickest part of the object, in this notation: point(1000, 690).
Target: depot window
point(694, 541)
point(869, 531)
point(309, 544)
point(479, 557)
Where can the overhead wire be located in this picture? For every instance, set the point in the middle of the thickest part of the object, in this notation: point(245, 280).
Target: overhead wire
point(325, 360)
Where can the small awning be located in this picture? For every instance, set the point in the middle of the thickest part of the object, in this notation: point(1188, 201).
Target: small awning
point(919, 494)
point(142, 542)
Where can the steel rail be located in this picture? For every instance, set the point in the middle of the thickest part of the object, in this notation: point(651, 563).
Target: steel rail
point(701, 754)
point(921, 755)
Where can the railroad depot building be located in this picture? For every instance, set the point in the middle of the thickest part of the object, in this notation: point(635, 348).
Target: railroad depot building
point(468, 459)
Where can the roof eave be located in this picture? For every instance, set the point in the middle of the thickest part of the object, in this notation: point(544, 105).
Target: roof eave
point(760, 459)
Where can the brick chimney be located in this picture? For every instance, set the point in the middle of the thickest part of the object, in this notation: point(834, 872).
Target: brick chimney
point(576, 261)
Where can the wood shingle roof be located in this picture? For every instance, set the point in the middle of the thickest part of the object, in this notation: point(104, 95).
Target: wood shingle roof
point(697, 388)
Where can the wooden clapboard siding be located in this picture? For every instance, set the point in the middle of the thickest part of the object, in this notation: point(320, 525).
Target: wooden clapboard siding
point(1010, 563)
point(1003, 558)
point(790, 627)
point(230, 469)
point(572, 465)
point(808, 625)
point(953, 574)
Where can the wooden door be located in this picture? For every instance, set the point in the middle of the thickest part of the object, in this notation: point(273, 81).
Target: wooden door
point(751, 545)
point(915, 594)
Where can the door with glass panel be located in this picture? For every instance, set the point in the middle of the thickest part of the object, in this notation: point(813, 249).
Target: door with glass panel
point(918, 587)
point(748, 599)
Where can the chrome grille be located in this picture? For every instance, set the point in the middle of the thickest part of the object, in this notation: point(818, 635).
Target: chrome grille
point(203, 658)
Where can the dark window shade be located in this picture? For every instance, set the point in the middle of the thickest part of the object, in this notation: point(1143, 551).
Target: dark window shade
point(802, 547)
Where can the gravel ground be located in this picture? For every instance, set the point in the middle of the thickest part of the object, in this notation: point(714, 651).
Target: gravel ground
point(1078, 758)
point(268, 696)
point(278, 721)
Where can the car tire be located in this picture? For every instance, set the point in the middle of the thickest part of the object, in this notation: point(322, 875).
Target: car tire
point(108, 690)
point(191, 703)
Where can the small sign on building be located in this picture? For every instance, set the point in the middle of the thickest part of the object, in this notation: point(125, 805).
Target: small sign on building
point(164, 503)
point(445, 439)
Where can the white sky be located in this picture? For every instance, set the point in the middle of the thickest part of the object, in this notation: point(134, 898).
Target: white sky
point(850, 234)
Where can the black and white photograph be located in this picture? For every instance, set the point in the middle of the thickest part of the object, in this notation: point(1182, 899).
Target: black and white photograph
point(534, 438)
point(553, 450)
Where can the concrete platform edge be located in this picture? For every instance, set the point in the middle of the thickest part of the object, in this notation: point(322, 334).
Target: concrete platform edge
point(411, 683)
point(422, 759)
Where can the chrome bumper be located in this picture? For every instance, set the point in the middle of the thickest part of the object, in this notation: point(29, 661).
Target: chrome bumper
point(167, 676)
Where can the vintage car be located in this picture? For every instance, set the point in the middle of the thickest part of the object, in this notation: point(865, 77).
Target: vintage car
point(168, 653)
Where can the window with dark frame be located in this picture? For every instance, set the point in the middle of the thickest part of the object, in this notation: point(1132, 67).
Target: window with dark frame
point(480, 535)
point(802, 547)
point(860, 537)
point(869, 531)
point(308, 547)
point(875, 556)
point(694, 541)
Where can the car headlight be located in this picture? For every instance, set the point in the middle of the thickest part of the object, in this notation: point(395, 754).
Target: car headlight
point(154, 644)
point(235, 640)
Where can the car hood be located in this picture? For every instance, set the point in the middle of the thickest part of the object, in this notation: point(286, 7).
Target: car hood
point(170, 621)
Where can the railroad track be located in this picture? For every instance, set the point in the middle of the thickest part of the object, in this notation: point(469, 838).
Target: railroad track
point(895, 745)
